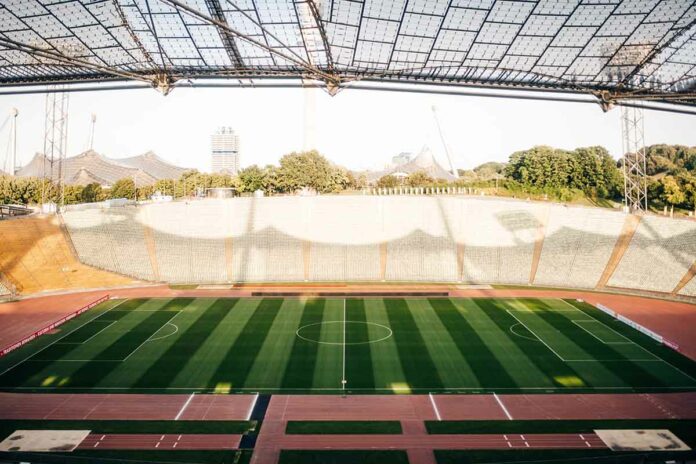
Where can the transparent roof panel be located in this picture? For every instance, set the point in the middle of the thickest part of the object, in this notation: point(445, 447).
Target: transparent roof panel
point(586, 45)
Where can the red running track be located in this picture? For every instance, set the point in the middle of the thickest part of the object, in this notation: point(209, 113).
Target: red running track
point(450, 442)
point(124, 406)
point(161, 442)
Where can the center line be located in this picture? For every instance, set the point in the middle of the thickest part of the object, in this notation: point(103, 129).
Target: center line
point(343, 379)
point(183, 408)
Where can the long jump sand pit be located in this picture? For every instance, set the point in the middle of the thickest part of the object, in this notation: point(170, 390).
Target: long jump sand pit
point(641, 440)
point(43, 440)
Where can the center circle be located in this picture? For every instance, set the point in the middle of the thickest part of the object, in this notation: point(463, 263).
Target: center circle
point(344, 332)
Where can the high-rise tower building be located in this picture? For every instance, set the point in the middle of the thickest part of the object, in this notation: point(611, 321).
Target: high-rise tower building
point(225, 151)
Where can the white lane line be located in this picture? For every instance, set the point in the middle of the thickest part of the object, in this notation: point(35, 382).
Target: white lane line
point(502, 406)
point(252, 406)
point(437, 411)
point(343, 378)
point(183, 408)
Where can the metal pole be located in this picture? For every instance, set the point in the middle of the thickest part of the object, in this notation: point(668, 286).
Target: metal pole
point(634, 161)
point(13, 168)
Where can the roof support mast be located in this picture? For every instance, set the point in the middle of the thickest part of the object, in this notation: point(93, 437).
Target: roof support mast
point(634, 165)
point(55, 144)
point(455, 173)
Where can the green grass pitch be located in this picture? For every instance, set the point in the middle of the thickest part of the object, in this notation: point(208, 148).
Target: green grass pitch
point(377, 345)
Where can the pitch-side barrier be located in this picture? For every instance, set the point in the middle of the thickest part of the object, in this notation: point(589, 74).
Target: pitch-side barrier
point(52, 326)
point(654, 335)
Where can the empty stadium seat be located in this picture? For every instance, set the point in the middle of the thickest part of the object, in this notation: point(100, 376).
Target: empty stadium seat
point(661, 252)
point(577, 246)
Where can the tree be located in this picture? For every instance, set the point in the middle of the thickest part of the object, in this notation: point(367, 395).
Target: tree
point(306, 169)
point(123, 188)
point(72, 194)
point(551, 170)
point(91, 193)
point(489, 170)
point(672, 193)
point(388, 181)
point(252, 178)
point(419, 179)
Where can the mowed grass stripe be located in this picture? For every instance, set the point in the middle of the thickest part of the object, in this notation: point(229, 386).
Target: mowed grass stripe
point(592, 373)
point(166, 368)
point(202, 365)
point(81, 360)
point(415, 359)
point(675, 367)
point(630, 372)
point(453, 367)
point(488, 369)
point(514, 361)
point(386, 366)
point(241, 355)
point(42, 365)
point(329, 365)
point(91, 373)
point(85, 333)
point(60, 350)
point(359, 369)
point(303, 356)
point(558, 372)
point(269, 367)
point(125, 345)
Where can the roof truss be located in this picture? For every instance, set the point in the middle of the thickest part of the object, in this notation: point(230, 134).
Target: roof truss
point(614, 49)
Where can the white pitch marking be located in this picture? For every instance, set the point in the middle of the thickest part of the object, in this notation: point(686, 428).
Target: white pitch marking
point(252, 406)
point(540, 339)
point(86, 341)
point(183, 408)
point(432, 401)
point(502, 406)
point(149, 339)
point(58, 339)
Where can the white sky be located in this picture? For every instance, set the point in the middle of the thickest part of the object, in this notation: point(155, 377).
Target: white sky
point(357, 129)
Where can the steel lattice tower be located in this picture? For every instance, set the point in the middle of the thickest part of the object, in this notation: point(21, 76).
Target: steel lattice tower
point(55, 141)
point(634, 165)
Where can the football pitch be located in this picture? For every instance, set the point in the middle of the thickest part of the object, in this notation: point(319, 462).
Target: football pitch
point(355, 345)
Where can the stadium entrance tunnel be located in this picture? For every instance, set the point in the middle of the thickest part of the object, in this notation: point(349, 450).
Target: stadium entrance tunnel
point(344, 332)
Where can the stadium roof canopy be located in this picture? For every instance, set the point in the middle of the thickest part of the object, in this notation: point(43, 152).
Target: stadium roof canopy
point(613, 49)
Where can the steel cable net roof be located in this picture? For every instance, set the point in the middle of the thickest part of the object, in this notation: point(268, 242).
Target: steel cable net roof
point(612, 48)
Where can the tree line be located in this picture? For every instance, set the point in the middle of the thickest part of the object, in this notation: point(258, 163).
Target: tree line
point(295, 171)
point(564, 175)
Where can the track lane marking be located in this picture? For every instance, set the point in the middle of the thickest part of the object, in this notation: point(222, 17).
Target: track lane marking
point(251, 408)
point(437, 411)
point(185, 405)
point(502, 406)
